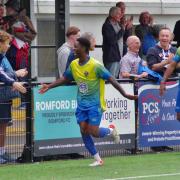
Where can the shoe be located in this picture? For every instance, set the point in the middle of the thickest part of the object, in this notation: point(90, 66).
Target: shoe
point(7, 157)
point(96, 163)
point(2, 160)
point(115, 135)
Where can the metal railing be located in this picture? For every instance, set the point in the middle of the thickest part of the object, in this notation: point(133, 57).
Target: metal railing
point(20, 132)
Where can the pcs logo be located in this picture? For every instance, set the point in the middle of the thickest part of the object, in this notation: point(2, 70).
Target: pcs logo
point(150, 110)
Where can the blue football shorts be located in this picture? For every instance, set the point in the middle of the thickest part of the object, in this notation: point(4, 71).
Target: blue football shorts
point(91, 115)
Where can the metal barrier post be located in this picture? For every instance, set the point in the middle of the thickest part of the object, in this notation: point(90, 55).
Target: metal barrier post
point(136, 118)
point(29, 115)
point(27, 155)
point(29, 129)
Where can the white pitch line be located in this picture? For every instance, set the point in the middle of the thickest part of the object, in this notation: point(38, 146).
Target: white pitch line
point(147, 176)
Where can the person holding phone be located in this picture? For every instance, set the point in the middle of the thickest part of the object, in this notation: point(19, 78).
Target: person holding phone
point(126, 23)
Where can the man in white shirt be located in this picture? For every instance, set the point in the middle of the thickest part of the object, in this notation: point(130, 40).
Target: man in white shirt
point(63, 52)
point(130, 62)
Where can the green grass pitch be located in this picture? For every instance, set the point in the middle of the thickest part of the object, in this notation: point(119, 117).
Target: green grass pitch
point(117, 167)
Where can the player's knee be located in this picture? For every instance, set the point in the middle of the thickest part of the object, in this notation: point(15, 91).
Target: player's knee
point(84, 130)
point(93, 132)
point(178, 116)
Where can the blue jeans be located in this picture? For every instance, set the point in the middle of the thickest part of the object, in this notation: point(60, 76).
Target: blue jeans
point(113, 68)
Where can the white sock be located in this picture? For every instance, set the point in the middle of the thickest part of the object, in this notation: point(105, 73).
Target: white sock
point(97, 157)
point(2, 150)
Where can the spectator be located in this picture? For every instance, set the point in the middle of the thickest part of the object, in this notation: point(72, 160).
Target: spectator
point(89, 36)
point(1, 12)
point(159, 56)
point(145, 32)
point(64, 51)
point(3, 20)
point(126, 23)
point(113, 41)
point(21, 27)
point(176, 33)
point(1, 17)
point(23, 31)
point(130, 62)
point(7, 76)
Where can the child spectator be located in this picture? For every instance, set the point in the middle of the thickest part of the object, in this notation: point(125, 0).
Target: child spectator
point(9, 77)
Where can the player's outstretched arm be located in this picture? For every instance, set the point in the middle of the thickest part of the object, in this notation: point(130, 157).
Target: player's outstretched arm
point(167, 74)
point(121, 90)
point(58, 82)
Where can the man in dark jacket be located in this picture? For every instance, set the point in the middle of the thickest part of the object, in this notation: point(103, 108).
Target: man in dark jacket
point(113, 41)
